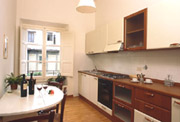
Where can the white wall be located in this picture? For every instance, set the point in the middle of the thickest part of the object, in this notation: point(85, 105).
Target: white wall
point(61, 11)
point(160, 63)
point(7, 26)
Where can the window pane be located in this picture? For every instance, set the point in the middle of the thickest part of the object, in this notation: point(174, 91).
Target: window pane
point(34, 36)
point(53, 38)
point(52, 53)
point(52, 69)
point(34, 53)
point(35, 67)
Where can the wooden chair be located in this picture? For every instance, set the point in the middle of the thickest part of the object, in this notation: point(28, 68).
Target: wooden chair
point(48, 116)
point(58, 117)
point(60, 86)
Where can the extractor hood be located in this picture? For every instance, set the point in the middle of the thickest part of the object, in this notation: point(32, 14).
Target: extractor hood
point(114, 47)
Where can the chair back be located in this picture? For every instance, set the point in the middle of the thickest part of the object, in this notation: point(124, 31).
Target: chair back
point(63, 104)
point(47, 116)
point(57, 84)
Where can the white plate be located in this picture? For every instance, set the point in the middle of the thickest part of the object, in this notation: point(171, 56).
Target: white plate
point(149, 82)
point(134, 81)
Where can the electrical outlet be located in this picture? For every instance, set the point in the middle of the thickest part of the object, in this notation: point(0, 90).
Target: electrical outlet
point(139, 69)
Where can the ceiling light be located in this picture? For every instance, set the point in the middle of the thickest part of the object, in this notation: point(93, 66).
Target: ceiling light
point(86, 6)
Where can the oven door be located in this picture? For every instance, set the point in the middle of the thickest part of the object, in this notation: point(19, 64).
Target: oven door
point(105, 92)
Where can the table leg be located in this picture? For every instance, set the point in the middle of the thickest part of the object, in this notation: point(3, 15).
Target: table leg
point(1, 119)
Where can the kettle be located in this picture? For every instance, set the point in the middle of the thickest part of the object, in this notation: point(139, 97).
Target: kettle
point(140, 77)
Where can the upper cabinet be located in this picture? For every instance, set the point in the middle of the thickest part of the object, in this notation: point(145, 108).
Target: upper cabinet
point(115, 32)
point(163, 24)
point(96, 40)
point(135, 29)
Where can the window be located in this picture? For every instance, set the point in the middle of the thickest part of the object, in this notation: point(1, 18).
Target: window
point(50, 52)
point(31, 35)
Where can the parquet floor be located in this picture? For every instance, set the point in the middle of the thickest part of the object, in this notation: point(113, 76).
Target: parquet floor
point(77, 110)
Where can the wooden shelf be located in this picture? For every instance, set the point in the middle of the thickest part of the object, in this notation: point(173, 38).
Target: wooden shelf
point(135, 31)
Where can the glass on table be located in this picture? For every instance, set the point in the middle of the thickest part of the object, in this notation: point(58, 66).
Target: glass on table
point(39, 87)
point(45, 86)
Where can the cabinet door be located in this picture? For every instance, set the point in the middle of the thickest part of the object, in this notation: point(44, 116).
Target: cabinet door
point(80, 83)
point(163, 24)
point(91, 38)
point(93, 89)
point(85, 86)
point(102, 36)
point(141, 117)
point(175, 114)
point(115, 32)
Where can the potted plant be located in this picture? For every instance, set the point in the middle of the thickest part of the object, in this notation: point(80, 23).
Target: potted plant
point(60, 78)
point(12, 80)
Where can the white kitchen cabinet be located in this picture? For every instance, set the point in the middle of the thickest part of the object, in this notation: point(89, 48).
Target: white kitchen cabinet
point(91, 38)
point(163, 24)
point(115, 32)
point(93, 84)
point(175, 114)
point(88, 87)
point(96, 40)
point(141, 117)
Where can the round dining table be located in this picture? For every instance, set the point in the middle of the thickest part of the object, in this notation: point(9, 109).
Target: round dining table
point(13, 104)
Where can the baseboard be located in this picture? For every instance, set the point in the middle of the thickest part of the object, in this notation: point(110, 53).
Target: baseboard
point(97, 108)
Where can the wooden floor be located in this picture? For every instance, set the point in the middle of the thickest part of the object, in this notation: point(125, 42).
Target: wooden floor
point(77, 110)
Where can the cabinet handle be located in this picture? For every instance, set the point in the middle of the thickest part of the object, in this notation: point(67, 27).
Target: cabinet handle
point(119, 41)
point(149, 107)
point(120, 106)
point(122, 86)
point(149, 120)
point(149, 94)
point(95, 78)
point(177, 102)
point(103, 107)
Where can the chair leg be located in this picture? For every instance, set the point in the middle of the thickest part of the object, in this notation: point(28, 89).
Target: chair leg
point(57, 108)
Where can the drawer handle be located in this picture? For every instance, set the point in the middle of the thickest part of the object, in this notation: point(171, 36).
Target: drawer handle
point(121, 106)
point(177, 102)
point(149, 120)
point(95, 78)
point(121, 86)
point(149, 107)
point(103, 107)
point(149, 94)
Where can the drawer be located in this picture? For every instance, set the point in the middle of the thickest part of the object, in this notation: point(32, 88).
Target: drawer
point(152, 110)
point(153, 98)
point(123, 93)
point(122, 113)
point(141, 117)
point(175, 110)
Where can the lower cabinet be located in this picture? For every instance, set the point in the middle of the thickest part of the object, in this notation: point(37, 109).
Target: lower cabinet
point(88, 86)
point(141, 117)
point(175, 114)
point(122, 113)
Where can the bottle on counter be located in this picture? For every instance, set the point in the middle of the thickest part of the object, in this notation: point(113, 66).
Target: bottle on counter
point(31, 84)
point(23, 87)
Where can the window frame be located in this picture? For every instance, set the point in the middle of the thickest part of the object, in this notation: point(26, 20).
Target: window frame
point(45, 30)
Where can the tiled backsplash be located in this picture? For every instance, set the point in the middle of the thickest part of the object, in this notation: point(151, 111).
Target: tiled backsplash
point(160, 63)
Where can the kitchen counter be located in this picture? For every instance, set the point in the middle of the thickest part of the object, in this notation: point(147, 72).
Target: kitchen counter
point(173, 91)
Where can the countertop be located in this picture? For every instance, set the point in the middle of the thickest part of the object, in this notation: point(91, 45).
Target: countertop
point(173, 91)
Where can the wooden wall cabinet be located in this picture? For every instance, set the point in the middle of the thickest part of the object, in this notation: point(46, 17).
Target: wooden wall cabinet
point(135, 30)
point(175, 115)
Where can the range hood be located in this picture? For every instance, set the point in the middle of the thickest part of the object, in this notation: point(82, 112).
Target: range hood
point(114, 47)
